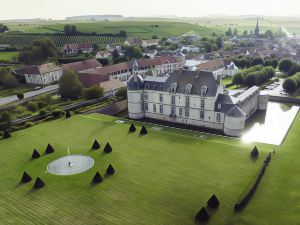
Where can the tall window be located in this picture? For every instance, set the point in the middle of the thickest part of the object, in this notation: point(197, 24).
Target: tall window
point(142, 98)
point(146, 106)
point(161, 97)
point(204, 90)
point(187, 112)
point(173, 87)
point(180, 111)
point(218, 117)
point(146, 95)
point(173, 99)
point(202, 104)
point(161, 108)
point(188, 89)
point(187, 101)
point(202, 115)
point(154, 108)
point(173, 111)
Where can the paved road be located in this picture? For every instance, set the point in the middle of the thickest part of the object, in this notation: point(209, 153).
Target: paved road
point(29, 94)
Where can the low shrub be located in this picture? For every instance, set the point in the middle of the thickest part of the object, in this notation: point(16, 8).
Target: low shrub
point(39, 183)
point(57, 113)
point(26, 178)
point(42, 112)
point(32, 106)
point(29, 124)
point(202, 215)
point(97, 178)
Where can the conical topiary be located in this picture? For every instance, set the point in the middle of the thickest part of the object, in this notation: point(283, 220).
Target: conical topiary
point(96, 145)
point(97, 178)
point(254, 152)
point(6, 135)
point(110, 170)
point(143, 131)
point(107, 148)
point(132, 128)
point(68, 114)
point(39, 183)
point(49, 149)
point(202, 215)
point(213, 202)
point(35, 154)
point(26, 178)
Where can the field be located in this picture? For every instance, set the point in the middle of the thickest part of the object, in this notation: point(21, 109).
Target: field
point(162, 178)
point(142, 29)
point(8, 56)
point(25, 39)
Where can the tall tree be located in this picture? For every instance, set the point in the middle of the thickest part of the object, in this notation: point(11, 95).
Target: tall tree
point(69, 85)
point(285, 65)
point(3, 28)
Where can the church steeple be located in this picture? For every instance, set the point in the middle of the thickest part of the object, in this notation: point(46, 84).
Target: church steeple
point(257, 29)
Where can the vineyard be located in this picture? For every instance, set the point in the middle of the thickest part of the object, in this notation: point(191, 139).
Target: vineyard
point(20, 40)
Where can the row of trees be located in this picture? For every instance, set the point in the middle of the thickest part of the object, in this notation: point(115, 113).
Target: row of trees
point(245, 62)
point(255, 75)
point(72, 30)
point(39, 51)
point(71, 88)
point(292, 83)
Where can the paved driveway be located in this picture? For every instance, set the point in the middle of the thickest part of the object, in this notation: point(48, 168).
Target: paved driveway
point(9, 99)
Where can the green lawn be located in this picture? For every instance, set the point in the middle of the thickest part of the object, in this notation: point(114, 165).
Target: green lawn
point(162, 178)
point(8, 56)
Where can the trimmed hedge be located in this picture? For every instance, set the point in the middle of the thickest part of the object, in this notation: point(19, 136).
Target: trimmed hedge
point(213, 202)
point(49, 149)
point(39, 183)
point(132, 128)
point(35, 154)
point(97, 178)
point(96, 145)
point(143, 131)
point(107, 148)
point(26, 178)
point(245, 200)
point(202, 215)
point(110, 170)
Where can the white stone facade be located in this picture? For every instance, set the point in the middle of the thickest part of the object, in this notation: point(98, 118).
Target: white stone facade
point(220, 111)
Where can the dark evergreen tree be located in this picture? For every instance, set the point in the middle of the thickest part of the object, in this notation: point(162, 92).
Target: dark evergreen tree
point(68, 114)
point(107, 148)
point(254, 152)
point(132, 128)
point(97, 178)
point(26, 178)
point(110, 170)
point(213, 202)
point(6, 135)
point(143, 131)
point(49, 149)
point(39, 183)
point(96, 145)
point(202, 215)
point(35, 154)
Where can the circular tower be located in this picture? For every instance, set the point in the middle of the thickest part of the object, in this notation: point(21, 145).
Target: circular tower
point(135, 89)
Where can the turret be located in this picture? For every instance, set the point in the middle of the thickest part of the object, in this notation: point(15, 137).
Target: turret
point(135, 89)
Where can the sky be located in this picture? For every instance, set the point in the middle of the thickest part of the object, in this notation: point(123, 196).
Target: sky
point(60, 9)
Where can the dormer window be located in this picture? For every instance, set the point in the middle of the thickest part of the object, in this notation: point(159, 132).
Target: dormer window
point(173, 87)
point(188, 89)
point(204, 90)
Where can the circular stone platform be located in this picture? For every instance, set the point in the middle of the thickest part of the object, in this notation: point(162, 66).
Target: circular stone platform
point(71, 164)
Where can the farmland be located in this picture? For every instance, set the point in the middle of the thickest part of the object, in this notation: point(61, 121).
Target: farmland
point(8, 56)
point(164, 177)
point(25, 39)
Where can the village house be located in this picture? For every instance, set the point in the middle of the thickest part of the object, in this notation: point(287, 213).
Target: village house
point(190, 48)
point(149, 43)
point(122, 71)
point(41, 74)
point(216, 66)
point(82, 65)
point(193, 98)
point(70, 49)
point(133, 42)
point(148, 53)
point(111, 87)
point(231, 69)
point(113, 46)
point(103, 54)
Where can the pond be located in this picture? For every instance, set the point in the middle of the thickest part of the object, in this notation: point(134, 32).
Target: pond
point(270, 126)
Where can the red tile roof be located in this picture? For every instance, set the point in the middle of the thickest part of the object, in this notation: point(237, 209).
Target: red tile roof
point(82, 65)
point(210, 65)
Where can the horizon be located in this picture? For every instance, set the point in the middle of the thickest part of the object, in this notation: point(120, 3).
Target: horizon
point(46, 9)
